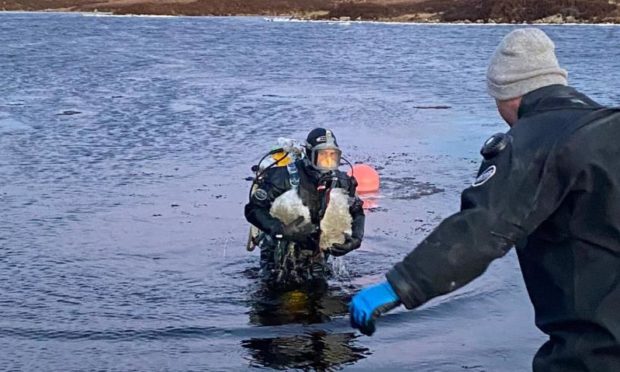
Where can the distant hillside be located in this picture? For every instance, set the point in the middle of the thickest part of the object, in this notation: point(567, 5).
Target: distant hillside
point(516, 11)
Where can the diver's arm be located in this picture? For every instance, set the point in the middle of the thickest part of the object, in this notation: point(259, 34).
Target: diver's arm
point(257, 210)
point(355, 208)
point(511, 197)
point(358, 218)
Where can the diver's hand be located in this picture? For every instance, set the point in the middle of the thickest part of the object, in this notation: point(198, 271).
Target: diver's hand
point(297, 231)
point(350, 243)
point(369, 304)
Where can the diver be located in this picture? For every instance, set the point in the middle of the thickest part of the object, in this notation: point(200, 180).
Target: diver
point(306, 210)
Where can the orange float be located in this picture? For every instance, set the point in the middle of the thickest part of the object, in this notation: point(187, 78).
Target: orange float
point(367, 184)
point(366, 176)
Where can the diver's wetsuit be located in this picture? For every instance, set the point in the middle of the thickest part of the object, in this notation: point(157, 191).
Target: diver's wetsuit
point(554, 193)
point(312, 262)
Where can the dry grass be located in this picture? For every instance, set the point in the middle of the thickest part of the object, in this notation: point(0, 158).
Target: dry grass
point(215, 7)
point(528, 10)
point(416, 10)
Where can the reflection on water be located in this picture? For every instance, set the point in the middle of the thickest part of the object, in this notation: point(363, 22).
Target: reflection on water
point(270, 308)
point(317, 350)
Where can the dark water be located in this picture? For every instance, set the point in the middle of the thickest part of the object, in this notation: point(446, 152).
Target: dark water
point(124, 144)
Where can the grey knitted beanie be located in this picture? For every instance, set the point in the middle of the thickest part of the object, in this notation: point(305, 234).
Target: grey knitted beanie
point(524, 61)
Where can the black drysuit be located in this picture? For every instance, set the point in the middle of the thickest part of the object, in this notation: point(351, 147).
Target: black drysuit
point(553, 192)
point(313, 190)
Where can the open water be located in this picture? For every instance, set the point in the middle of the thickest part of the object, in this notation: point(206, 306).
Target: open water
point(124, 147)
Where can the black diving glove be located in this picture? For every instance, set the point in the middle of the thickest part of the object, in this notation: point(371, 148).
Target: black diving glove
point(297, 231)
point(350, 243)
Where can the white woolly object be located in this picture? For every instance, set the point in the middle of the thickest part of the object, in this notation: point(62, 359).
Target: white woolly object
point(335, 223)
point(288, 206)
point(337, 219)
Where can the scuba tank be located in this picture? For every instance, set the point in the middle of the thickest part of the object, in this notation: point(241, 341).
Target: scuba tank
point(285, 154)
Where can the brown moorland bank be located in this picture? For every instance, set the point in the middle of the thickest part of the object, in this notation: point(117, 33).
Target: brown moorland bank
point(492, 11)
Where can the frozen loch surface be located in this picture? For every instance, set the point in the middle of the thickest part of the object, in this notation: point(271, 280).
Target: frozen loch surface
point(124, 147)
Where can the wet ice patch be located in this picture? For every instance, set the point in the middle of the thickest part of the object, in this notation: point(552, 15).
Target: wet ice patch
point(186, 105)
point(9, 124)
point(409, 188)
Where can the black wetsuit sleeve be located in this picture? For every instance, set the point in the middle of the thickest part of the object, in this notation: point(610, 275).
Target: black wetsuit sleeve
point(522, 189)
point(257, 210)
point(357, 211)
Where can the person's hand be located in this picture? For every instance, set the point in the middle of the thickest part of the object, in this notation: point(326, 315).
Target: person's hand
point(297, 231)
point(369, 304)
point(350, 243)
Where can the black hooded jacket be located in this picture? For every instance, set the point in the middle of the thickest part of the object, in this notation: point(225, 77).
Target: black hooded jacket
point(276, 181)
point(553, 192)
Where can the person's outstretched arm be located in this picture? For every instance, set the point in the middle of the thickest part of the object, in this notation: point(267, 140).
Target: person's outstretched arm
point(515, 191)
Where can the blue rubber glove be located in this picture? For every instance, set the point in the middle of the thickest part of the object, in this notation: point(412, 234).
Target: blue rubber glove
point(369, 304)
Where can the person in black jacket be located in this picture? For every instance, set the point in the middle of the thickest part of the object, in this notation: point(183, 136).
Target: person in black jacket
point(550, 186)
point(306, 211)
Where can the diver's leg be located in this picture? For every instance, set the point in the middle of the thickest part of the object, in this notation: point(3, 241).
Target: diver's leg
point(267, 249)
point(318, 271)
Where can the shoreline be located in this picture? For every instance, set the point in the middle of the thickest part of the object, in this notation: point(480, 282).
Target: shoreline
point(294, 19)
point(515, 12)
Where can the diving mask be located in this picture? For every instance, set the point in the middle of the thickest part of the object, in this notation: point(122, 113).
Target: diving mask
point(326, 157)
